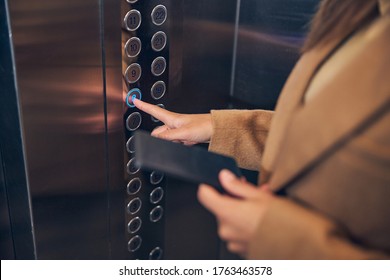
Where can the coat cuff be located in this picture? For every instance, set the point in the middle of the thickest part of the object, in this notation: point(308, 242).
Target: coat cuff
point(240, 134)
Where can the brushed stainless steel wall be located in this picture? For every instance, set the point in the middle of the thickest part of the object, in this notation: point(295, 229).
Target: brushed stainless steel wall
point(70, 100)
point(268, 41)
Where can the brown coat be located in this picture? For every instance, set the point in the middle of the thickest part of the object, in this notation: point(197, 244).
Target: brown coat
point(330, 158)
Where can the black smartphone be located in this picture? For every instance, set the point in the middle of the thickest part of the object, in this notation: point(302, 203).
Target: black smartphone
point(194, 164)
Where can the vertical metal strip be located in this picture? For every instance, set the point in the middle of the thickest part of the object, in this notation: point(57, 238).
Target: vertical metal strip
point(21, 250)
point(106, 144)
point(234, 58)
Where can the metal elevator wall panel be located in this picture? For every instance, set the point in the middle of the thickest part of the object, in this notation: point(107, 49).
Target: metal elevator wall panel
point(114, 128)
point(269, 37)
point(63, 92)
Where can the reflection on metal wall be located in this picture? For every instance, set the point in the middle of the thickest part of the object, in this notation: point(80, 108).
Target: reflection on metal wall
point(269, 37)
point(65, 99)
point(203, 40)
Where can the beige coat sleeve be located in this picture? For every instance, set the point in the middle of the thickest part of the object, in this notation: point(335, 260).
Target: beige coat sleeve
point(241, 134)
point(290, 231)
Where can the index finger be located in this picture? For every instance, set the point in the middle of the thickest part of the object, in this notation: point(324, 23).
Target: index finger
point(159, 113)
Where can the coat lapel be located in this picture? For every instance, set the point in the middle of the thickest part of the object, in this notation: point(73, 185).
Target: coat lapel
point(289, 101)
point(338, 112)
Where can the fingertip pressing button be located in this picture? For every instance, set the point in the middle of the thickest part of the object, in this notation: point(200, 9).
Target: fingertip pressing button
point(135, 93)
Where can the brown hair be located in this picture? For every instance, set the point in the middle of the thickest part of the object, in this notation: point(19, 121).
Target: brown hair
point(336, 19)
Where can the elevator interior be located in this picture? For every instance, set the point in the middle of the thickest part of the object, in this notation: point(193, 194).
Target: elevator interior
point(66, 70)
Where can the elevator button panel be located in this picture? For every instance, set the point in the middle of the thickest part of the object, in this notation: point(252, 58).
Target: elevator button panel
point(145, 75)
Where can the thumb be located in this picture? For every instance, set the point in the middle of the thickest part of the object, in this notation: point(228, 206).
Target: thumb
point(235, 185)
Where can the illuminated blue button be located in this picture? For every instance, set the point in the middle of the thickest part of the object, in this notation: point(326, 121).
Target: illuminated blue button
point(135, 93)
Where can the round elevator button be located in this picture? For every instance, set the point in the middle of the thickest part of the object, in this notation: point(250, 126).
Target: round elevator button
point(134, 186)
point(135, 93)
point(134, 205)
point(133, 47)
point(132, 167)
point(156, 195)
point(158, 66)
point(134, 243)
point(156, 177)
point(158, 90)
point(159, 14)
point(133, 121)
point(156, 254)
point(131, 1)
point(133, 73)
point(130, 145)
point(134, 225)
point(156, 214)
point(159, 41)
point(132, 20)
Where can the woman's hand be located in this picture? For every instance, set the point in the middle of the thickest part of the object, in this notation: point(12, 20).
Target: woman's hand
point(239, 216)
point(185, 128)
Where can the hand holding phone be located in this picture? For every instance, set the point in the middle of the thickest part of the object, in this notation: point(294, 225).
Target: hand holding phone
point(193, 164)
